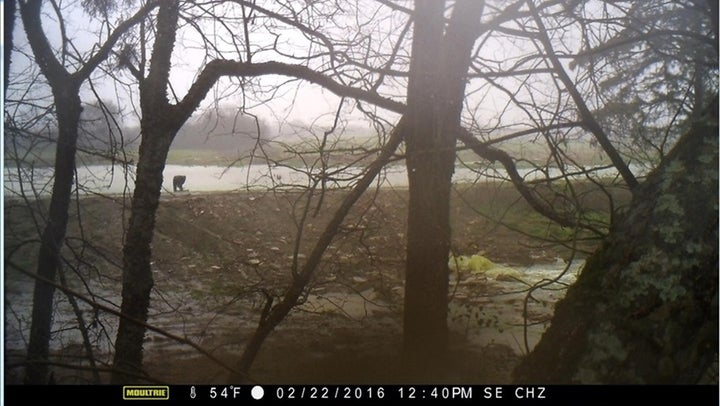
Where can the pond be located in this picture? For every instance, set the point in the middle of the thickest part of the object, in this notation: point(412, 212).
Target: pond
point(109, 179)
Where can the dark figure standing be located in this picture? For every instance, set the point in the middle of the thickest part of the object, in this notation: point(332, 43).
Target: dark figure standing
point(178, 182)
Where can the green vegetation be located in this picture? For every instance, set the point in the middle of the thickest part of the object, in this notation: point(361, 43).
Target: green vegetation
point(201, 157)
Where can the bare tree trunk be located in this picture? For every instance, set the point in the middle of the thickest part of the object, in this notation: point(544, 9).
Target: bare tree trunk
point(645, 308)
point(430, 161)
point(68, 109)
point(65, 88)
point(137, 272)
point(158, 127)
point(438, 68)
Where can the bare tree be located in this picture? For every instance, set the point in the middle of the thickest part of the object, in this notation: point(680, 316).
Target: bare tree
point(440, 59)
point(160, 123)
point(66, 88)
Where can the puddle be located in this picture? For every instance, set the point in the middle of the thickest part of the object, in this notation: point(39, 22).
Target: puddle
point(489, 309)
point(486, 308)
point(356, 306)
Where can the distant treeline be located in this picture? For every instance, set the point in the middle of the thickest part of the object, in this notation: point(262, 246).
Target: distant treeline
point(103, 136)
point(223, 130)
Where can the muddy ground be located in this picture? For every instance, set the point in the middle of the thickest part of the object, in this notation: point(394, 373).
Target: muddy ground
point(217, 255)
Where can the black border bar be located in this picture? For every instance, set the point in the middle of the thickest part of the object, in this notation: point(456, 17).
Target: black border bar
point(613, 395)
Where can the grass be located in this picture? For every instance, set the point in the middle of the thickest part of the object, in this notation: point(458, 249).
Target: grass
point(492, 209)
point(341, 152)
point(193, 157)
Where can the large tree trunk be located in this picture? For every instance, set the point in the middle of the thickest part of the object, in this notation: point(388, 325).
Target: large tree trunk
point(65, 89)
point(137, 272)
point(430, 161)
point(158, 128)
point(68, 109)
point(645, 308)
point(435, 93)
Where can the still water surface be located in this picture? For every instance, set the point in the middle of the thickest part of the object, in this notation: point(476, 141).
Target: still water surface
point(110, 179)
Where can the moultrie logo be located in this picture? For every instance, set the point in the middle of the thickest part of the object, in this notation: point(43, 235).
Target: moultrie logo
point(146, 392)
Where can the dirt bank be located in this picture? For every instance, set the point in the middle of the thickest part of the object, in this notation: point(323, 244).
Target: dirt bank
point(216, 256)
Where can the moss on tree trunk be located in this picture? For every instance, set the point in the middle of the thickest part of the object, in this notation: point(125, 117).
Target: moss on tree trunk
point(645, 308)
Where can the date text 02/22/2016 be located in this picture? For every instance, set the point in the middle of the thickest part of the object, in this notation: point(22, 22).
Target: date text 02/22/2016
point(391, 392)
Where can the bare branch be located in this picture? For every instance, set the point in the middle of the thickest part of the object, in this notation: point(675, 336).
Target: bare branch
point(493, 155)
point(590, 122)
point(301, 279)
point(218, 68)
